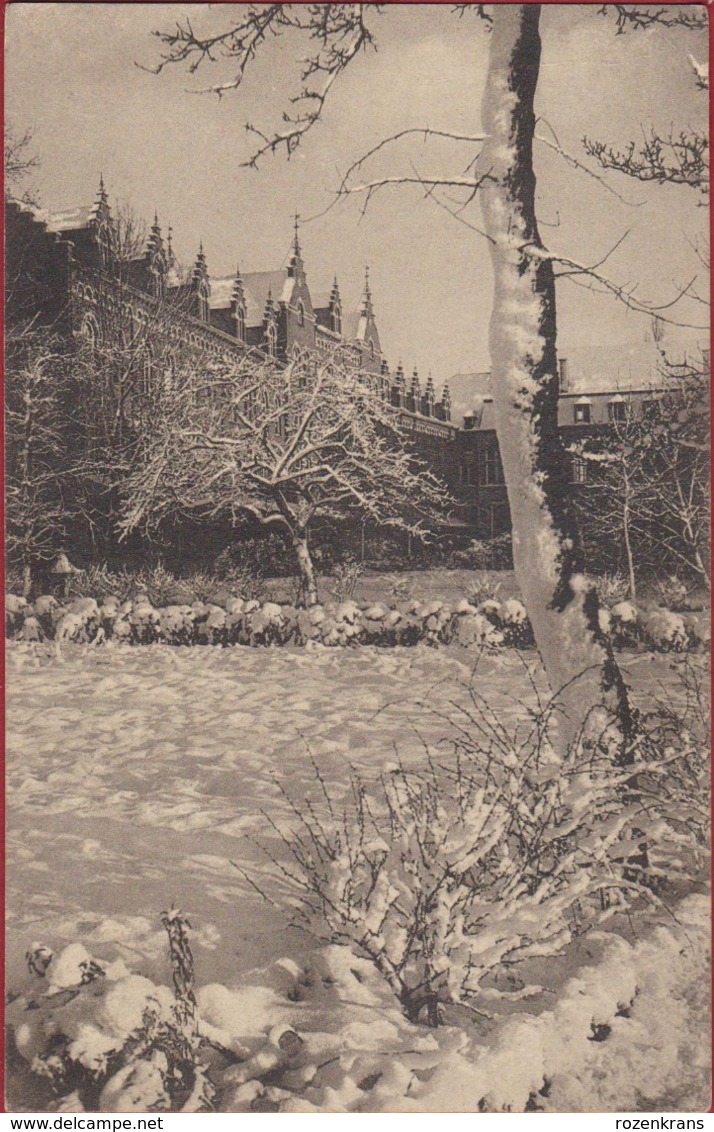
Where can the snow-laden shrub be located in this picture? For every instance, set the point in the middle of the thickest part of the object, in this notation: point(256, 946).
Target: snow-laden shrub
point(515, 626)
point(625, 626)
point(176, 625)
point(611, 588)
point(107, 1040)
point(16, 609)
point(444, 879)
point(673, 592)
point(470, 627)
point(448, 878)
point(345, 578)
point(237, 621)
point(664, 630)
point(484, 588)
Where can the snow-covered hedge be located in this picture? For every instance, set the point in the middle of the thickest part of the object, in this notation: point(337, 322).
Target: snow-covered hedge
point(236, 621)
point(624, 1030)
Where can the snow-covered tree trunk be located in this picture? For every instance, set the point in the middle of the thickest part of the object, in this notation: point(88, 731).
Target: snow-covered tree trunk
point(562, 608)
point(626, 508)
point(308, 583)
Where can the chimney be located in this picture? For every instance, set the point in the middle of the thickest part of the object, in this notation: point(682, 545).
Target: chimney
point(564, 375)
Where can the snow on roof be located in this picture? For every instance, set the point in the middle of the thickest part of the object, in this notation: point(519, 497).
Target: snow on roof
point(64, 220)
point(256, 286)
point(222, 293)
point(321, 301)
point(355, 325)
point(71, 219)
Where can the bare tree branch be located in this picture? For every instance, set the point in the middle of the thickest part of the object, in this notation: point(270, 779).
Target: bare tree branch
point(631, 16)
point(673, 160)
point(338, 29)
point(555, 145)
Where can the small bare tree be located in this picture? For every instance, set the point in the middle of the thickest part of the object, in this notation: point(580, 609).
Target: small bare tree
point(37, 474)
point(647, 486)
point(19, 161)
point(286, 446)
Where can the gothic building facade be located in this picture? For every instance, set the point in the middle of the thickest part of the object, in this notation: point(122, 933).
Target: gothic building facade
point(77, 272)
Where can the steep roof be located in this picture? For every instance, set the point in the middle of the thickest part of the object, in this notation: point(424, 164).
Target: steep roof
point(64, 220)
point(256, 285)
point(222, 292)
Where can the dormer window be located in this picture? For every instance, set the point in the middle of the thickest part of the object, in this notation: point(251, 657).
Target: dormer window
point(617, 410)
point(581, 412)
point(301, 313)
point(337, 320)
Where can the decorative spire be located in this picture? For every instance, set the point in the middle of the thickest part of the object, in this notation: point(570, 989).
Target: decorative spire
point(102, 192)
point(295, 265)
point(446, 402)
point(169, 245)
point(416, 387)
point(335, 292)
point(430, 387)
point(399, 375)
point(269, 307)
point(200, 270)
point(366, 309)
point(238, 291)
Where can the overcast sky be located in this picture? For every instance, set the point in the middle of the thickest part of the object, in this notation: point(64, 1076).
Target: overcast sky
point(72, 78)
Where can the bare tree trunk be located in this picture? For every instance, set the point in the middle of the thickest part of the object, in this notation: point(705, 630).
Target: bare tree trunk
point(27, 579)
point(562, 608)
point(628, 544)
point(308, 583)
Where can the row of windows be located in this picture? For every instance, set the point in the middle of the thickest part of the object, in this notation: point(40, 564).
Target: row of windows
point(488, 471)
point(618, 411)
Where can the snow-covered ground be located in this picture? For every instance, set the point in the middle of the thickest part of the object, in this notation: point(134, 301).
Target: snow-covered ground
point(136, 777)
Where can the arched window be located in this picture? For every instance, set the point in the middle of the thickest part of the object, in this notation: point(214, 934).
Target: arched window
point(240, 322)
point(271, 335)
point(90, 333)
point(301, 313)
point(158, 277)
point(203, 308)
point(337, 320)
point(371, 348)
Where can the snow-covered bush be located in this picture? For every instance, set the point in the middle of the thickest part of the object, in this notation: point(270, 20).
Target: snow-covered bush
point(673, 592)
point(108, 1040)
point(345, 577)
point(484, 588)
point(611, 588)
point(664, 631)
point(625, 628)
point(228, 620)
point(444, 880)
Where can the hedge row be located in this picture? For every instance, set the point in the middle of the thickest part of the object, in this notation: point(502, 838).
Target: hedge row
point(239, 622)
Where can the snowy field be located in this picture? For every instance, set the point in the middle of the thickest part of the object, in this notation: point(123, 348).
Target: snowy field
point(135, 777)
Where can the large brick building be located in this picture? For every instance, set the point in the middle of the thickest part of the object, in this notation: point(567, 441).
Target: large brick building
point(67, 270)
